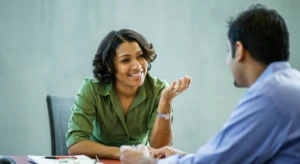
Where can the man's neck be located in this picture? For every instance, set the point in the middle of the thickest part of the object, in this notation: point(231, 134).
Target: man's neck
point(255, 69)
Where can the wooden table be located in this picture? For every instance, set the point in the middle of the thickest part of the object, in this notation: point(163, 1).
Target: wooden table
point(24, 160)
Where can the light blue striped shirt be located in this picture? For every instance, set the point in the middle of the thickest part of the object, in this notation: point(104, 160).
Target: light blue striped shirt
point(264, 127)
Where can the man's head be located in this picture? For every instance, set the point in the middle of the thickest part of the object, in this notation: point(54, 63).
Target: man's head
point(258, 35)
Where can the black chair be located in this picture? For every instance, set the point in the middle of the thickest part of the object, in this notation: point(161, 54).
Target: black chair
point(59, 110)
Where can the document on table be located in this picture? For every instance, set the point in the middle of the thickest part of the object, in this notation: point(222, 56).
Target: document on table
point(80, 159)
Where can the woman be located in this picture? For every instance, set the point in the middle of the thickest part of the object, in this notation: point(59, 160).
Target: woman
point(124, 104)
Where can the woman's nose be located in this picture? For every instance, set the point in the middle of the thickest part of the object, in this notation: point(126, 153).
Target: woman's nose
point(137, 65)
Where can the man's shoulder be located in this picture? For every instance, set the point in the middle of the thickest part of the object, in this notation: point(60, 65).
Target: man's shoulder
point(281, 89)
point(282, 82)
point(278, 82)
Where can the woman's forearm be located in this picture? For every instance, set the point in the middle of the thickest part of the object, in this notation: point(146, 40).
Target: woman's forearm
point(162, 134)
point(93, 149)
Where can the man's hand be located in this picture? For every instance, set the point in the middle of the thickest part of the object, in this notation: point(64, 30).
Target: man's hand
point(140, 155)
point(165, 152)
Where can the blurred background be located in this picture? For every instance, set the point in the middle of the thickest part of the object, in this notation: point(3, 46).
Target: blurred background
point(47, 47)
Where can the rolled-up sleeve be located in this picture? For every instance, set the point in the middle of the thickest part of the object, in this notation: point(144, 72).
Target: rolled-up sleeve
point(160, 87)
point(83, 114)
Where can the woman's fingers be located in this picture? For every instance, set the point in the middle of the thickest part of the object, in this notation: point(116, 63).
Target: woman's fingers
point(183, 84)
point(173, 85)
point(177, 87)
point(189, 81)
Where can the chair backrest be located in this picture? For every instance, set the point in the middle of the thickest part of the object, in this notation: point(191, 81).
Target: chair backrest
point(59, 110)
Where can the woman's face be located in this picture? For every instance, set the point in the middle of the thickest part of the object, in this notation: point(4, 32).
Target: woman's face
point(130, 64)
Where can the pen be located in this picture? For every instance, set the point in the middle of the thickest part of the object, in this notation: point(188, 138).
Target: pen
point(59, 157)
point(97, 159)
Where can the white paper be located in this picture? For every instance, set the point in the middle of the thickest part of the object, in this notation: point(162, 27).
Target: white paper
point(81, 159)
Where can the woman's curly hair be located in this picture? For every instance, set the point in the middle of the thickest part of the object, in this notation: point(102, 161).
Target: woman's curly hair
point(103, 63)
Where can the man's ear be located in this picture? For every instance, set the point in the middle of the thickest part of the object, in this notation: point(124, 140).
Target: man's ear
point(240, 51)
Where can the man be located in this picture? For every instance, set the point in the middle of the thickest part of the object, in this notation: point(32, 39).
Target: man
point(265, 126)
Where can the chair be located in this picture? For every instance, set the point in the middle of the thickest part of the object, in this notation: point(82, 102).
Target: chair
point(59, 110)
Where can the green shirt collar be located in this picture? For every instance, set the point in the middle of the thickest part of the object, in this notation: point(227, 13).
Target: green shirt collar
point(144, 91)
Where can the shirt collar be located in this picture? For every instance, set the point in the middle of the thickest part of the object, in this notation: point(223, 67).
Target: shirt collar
point(144, 91)
point(273, 68)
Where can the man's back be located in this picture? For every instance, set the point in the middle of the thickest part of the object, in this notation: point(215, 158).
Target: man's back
point(279, 87)
point(283, 89)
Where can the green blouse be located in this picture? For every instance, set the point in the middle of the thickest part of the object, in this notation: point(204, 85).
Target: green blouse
point(97, 114)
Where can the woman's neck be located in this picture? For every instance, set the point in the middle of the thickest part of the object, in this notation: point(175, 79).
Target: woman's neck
point(123, 91)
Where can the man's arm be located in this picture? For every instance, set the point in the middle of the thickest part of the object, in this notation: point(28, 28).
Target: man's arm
point(252, 134)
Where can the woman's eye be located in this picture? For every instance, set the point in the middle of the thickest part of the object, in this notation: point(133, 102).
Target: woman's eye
point(125, 60)
point(141, 56)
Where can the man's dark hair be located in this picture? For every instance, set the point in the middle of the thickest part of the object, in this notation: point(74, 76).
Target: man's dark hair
point(263, 32)
point(103, 63)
